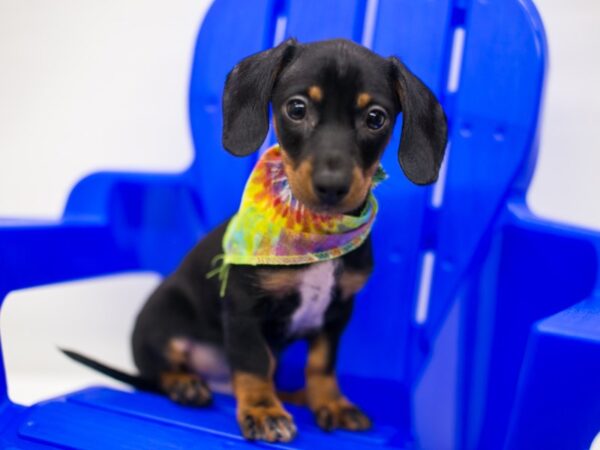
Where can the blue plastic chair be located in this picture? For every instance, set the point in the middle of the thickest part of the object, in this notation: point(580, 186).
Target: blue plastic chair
point(481, 325)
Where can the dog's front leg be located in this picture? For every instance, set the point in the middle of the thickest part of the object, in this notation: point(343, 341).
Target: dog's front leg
point(260, 414)
point(330, 407)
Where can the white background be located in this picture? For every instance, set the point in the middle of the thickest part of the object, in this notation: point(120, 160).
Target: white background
point(88, 85)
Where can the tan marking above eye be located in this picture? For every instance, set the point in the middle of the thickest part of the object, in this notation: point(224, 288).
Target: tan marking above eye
point(315, 93)
point(363, 99)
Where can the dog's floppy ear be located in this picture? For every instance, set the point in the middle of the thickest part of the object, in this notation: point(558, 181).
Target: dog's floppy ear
point(424, 129)
point(247, 95)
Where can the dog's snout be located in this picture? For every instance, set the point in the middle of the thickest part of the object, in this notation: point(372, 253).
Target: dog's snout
point(331, 186)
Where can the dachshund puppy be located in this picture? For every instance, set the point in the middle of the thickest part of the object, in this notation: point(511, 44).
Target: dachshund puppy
point(334, 104)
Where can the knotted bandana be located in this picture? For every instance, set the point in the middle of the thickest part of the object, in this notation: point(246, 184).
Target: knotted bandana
point(272, 227)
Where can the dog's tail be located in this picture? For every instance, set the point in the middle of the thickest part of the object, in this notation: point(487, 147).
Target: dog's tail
point(135, 381)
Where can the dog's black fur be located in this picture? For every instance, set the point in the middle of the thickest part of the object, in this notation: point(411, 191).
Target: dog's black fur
point(334, 104)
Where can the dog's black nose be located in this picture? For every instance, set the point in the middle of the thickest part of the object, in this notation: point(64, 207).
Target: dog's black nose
point(331, 187)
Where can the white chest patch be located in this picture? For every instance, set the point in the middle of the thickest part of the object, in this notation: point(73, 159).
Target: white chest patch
point(315, 289)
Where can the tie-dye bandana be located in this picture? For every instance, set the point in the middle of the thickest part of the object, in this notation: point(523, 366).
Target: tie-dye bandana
point(274, 228)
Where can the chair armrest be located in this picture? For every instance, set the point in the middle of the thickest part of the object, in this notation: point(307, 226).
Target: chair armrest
point(521, 215)
point(576, 249)
point(160, 215)
point(113, 221)
point(93, 195)
point(37, 253)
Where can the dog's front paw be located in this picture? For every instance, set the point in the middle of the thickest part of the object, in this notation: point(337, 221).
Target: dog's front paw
point(340, 413)
point(269, 423)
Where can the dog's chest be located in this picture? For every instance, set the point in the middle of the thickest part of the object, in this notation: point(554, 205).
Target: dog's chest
point(315, 289)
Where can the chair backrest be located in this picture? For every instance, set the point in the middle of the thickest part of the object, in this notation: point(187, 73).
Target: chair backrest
point(485, 61)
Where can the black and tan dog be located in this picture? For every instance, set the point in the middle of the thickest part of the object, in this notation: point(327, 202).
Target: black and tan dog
point(334, 104)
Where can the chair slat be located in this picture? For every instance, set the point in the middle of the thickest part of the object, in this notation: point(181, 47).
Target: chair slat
point(313, 20)
point(417, 33)
point(494, 139)
point(231, 31)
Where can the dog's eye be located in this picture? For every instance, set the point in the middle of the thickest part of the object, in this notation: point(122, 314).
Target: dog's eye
point(296, 109)
point(375, 118)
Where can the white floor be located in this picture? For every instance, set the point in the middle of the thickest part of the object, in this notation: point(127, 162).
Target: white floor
point(92, 316)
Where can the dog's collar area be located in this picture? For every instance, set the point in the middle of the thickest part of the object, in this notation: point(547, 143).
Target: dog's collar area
point(272, 227)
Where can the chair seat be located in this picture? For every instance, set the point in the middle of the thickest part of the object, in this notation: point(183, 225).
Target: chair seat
point(101, 418)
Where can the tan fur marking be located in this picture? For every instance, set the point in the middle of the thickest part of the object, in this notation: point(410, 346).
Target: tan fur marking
point(318, 356)
point(363, 100)
point(279, 283)
point(185, 388)
point(251, 389)
point(315, 93)
point(297, 397)
point(322, 390)
point(323, 396)
point(359, 188)
point(300, 179)
point(272, 363)
point(321, 387)
point(259, 409)
point(177, 352)
point(256, 396)
point(169, 379)
point(351, 282)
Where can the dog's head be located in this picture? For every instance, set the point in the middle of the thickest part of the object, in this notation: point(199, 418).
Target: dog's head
point(335, 105)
